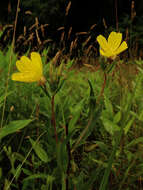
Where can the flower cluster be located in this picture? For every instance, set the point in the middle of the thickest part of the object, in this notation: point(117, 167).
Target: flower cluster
point(31, 70)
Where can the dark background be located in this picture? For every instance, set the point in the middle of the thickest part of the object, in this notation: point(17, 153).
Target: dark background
point(82, 14)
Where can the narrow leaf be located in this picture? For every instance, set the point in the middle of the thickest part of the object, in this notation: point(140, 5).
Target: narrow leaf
point(13, 127)
point(108, 106)
point(110, 126)
point(39, 151)
point(117, 117)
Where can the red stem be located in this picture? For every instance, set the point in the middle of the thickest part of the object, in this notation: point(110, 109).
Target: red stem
point(53, 120)
point(103, 86)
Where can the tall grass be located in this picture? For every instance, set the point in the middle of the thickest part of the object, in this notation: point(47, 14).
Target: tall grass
point(99, 142)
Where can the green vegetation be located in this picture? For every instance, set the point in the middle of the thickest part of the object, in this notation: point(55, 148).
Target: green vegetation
point(99, 135)
point(81, 129)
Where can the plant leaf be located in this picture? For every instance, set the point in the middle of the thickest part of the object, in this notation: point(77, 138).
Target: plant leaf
point(39, 151)
point(13, 127)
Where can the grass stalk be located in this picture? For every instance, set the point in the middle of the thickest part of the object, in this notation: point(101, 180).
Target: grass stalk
point(69, 159)
point(10, 61)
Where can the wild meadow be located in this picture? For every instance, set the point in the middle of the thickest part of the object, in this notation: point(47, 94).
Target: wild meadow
point(72, 121)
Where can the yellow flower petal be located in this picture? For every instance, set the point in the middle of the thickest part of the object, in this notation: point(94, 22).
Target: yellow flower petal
point(36, 62)
point(103, 43)
point(122, 47)
point(24, 64)
point(114, 40)
point(31, 70)
point(106, 53)
point(24, 77)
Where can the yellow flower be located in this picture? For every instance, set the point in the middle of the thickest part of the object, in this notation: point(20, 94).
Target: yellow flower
point(112, 46)
point(30, 70)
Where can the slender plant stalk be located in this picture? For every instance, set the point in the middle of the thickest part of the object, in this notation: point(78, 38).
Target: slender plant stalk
point(53, 119)
point(19, 168)
point(103, 87)
point(126, 174)
point(10, 61)
point(69, 160)
point(83, 133)
point(43, 86)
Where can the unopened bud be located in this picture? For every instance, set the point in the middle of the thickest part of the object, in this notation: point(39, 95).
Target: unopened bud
point(42, 81)
point(11, 108)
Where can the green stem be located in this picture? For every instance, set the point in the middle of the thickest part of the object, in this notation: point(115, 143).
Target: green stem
point(45, 90)
point(69, 159)
point(53, 120)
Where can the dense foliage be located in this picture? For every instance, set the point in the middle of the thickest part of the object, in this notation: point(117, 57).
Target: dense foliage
point(95, 130)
